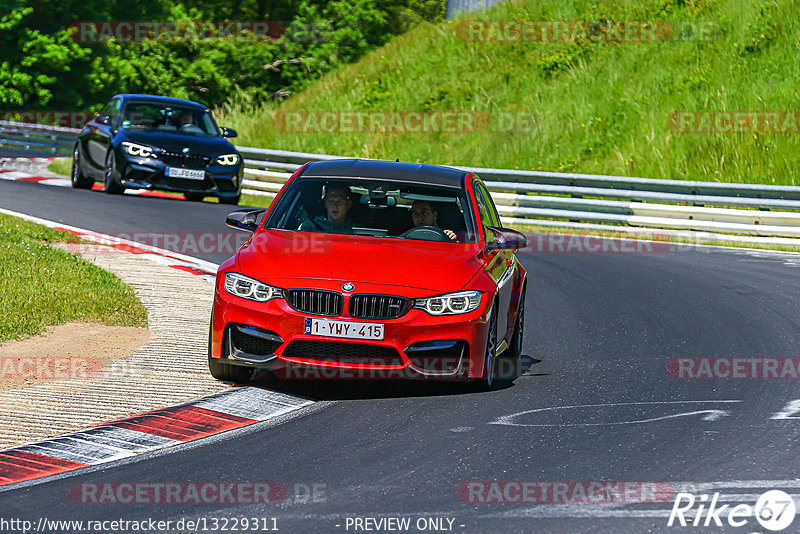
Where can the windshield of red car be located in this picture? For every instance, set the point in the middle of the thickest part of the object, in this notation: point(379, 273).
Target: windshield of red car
point(374, 207)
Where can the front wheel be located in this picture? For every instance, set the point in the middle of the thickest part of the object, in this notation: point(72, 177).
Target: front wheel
point(490, 379)
point(78, 179)
point(229, 373)
point(515, 350)
point(111, 185)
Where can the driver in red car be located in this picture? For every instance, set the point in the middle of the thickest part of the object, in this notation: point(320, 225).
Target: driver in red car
point(424, 214)
point(337, 205)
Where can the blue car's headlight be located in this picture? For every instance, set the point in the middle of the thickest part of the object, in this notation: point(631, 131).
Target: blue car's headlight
point(139, 150)
point(250, 288)
point(451, 303)
point(228, 159)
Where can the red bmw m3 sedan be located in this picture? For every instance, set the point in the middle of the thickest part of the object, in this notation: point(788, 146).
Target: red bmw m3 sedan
point(369, 269)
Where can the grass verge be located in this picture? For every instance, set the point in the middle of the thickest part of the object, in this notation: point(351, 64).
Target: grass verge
point(61, 166)
point(45, 286)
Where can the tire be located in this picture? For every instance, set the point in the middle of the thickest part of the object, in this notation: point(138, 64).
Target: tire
point(111, 185)
point(78, 179)
point(194, 197)
point(490, 379)
point(230, 200)
point(226, 372)
point(515, 349)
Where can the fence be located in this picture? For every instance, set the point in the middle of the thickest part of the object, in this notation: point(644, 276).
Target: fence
point(730, 212)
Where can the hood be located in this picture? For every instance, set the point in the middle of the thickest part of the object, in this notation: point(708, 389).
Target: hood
point(286, 258)
point(177, 142)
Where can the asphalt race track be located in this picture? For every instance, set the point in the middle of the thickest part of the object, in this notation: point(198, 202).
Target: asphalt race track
point(595, 403)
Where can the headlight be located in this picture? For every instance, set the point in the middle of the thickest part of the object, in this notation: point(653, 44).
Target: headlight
point(450, 304)
point(138, 150)
point(248, 288)
point(228, 159)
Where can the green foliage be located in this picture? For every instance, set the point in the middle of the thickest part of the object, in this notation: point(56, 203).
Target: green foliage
point(762, 30)
point(600, 107)
point(46, 65)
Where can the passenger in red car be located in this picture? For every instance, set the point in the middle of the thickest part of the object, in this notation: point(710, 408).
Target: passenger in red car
point(337, 205)
point(424, 214)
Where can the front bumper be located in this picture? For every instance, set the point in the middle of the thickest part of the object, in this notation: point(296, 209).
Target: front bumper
point(136, 172)
point(416, 345)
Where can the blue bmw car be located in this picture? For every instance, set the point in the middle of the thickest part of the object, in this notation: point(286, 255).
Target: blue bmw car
point(156, 142)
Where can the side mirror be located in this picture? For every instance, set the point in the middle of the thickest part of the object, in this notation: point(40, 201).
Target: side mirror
point(104, 119)
point(504, 239)
point(245, 219)
point(229, 132)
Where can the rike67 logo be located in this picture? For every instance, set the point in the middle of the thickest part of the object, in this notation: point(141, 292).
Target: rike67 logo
point(774, 510)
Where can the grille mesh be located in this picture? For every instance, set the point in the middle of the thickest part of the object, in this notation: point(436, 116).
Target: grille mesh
point(190, 160)
point(378, 306)
point(316, 302)
point(330, 351)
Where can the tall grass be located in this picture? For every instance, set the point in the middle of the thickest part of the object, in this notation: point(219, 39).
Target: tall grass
point(597, 107)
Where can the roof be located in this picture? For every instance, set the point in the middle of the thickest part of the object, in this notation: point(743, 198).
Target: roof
point(385, 170)
point(161, 99)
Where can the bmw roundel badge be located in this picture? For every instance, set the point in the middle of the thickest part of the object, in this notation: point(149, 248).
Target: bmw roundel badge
point(348, 287)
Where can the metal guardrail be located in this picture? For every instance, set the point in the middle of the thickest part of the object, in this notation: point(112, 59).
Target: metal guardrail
point(546, 198)
point(456, 7)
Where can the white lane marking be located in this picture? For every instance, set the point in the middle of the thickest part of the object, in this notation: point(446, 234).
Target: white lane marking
point(43, 448)
point(792, 407)
point(58, 182)
point(125, 438)
point(711, 415)
point(14, 175)
point(97, 237)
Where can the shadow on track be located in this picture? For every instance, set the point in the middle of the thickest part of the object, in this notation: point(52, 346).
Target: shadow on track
point(340, 389)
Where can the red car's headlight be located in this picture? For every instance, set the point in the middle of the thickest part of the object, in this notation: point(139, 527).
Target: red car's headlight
point(250, 288)
point(451, 303)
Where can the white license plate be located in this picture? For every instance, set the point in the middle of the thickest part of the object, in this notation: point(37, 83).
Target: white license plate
point(191, 174)
point(350, 330)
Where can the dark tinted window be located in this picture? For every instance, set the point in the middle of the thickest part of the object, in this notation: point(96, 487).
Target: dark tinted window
point(153, 116)
point(374, 207)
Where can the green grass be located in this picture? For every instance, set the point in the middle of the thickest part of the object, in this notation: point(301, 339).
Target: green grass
point(44, 286)
point(599, 108)
point(61, 166)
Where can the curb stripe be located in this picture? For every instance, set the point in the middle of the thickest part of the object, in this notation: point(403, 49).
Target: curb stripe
point(227, 410)
point(34, 179)
point(17, 466)
point(124, 438)
point(183, 423)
